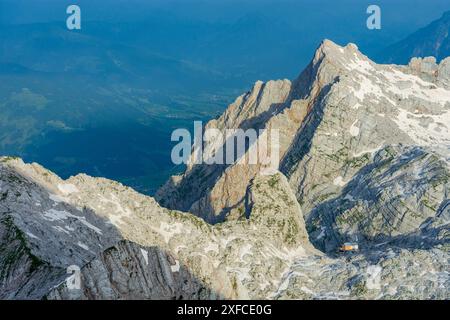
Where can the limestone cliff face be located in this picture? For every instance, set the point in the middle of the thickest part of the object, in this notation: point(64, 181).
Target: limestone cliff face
point(80, 221)
point(402, 196)
point(334, 119)
point(370, 107)
point(129, 271)
point(213, 198)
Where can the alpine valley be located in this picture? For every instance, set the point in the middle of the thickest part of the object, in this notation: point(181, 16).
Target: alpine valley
point(364, 157)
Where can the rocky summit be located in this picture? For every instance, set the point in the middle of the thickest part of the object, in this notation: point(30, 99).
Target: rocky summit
point(364, 158)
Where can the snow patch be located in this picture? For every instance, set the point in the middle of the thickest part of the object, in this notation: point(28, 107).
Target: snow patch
point(435, 133)
point(168, 231)
point(321, 234)
point(362, 66)
point(32, 235)
point(119, 214)
point(58, 215)
point(145, 255)
point(349, 197)
point(67, 188)
point(356, 106)
point(371, 151)
point(82, 245)
point(339, 181)
point(268, 171)
point(369, 89)
point(354, 130)
point(406, 85)
point(57, 199)
point(373, 277)
point(60, 229)
point(176, 266)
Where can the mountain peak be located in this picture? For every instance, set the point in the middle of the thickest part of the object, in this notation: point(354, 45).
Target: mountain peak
point(329, 47)
point(337, 55)
point(329, 63)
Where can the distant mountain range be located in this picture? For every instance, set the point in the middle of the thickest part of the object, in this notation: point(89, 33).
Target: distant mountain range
point(62, 88)
point(432, 40)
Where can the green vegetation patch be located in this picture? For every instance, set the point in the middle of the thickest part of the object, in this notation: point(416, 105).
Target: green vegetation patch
point(8, 257)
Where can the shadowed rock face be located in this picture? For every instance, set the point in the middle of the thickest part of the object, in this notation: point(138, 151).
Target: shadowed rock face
point(365, 155)
point(128, 271)
point(23, 275)
point(41, 233)
point(403, 192)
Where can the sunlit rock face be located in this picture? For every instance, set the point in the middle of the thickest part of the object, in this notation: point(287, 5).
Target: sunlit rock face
point(332, 120)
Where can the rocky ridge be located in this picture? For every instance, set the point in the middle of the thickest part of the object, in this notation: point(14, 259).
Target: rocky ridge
point(81, 220)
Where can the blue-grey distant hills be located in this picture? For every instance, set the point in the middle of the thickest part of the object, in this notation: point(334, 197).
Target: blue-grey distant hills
point(432, 40)
point(90, 102)
point(104, 100)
